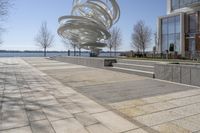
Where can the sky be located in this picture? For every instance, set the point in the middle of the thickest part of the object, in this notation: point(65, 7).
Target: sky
point(26, 17)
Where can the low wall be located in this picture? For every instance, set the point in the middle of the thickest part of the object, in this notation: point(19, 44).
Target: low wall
point(87, 61)
point(180, 73)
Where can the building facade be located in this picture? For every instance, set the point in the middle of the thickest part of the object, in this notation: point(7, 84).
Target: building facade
point(180, 28)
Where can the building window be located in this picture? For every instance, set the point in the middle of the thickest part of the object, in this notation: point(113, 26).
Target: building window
point(170, 33)
point(177, 4)
point(192, 23)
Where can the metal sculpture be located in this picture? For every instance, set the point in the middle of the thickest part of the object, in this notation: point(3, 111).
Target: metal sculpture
point(89, 23)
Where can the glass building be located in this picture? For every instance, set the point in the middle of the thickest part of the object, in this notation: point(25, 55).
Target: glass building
point(180, 28)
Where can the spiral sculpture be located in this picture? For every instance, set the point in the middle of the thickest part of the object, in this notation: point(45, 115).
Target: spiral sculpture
point(89, 23)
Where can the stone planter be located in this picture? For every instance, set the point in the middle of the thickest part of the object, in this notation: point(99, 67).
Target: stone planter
point(88, 61)
point(180, 73)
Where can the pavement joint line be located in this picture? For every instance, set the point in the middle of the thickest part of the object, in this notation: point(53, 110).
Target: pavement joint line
point(63, 119)
point(100, 112)
point(98, 122)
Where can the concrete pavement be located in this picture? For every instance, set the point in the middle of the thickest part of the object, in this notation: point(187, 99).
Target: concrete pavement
point(41, 95)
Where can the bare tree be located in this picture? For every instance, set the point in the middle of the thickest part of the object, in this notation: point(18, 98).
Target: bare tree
point(4, 6)
point(79, 49)
point(0, 38)
point(115, 41)
point(44, 38)
point(141, 36)
point(67, 43)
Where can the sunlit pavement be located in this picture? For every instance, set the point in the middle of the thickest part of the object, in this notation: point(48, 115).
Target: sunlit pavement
point(42, 96)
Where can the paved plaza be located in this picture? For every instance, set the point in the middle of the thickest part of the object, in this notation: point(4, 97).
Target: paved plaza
point(39, 95)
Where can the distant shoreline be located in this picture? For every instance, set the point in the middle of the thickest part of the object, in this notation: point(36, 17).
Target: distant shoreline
point(29, 51)
point(49, 53)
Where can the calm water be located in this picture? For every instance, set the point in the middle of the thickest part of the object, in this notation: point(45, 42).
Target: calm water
point(27, 54)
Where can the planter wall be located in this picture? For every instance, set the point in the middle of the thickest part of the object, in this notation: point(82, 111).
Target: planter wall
point(180, 73)
point(87, 61)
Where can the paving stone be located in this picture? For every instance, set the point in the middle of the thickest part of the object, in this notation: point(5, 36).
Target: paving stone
point(151, 99)
point(137, 131)
point(64, 101)
point(132, 112)
point(90, 106)
point(32, 106)
point(158, 118)
point(36, 115)
point(181, 94)
point(18, 130)
point(189, 125)
point(12, 95)
point(70, 125)
point(114, 121)
point(73, 108)
point(85, 119)
point(170, 128)
point(186, 100)
point(98, 128)
point(56, 113)
point(13, 119)
point(41, 127)
point(47, 102)
point(8, 104)
point(194, 119)
point(150, 108)
point(126, 104)
point(59, 95)
point(29, 98)
point(189, 110)
point(1, 93)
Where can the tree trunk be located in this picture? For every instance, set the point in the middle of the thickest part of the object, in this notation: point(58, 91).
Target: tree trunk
point(45, 52)
point(143, 52)
point(79, 51)
point(115, 52)
point(74, 50)
point(110, 52)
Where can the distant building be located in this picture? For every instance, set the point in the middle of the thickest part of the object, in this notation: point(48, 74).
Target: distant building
point(180, 28)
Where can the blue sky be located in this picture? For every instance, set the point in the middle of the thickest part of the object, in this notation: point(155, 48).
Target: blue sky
point(26, 17)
